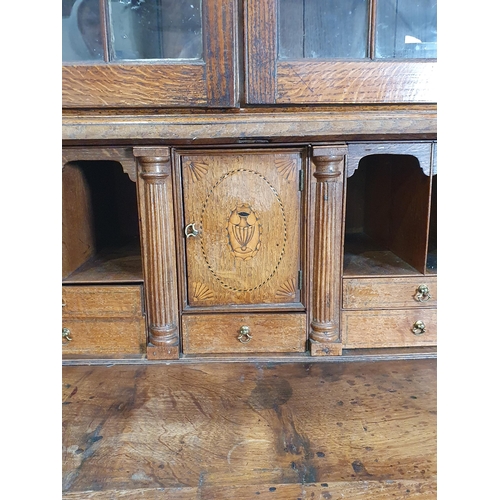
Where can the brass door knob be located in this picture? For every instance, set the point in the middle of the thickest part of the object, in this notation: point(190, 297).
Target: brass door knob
point(422, 294)
point(244, 335)
point(190, 230)
point(66, 335)
point(418, 327)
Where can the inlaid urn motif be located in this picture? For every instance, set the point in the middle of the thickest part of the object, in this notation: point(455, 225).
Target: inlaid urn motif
point(244, 232)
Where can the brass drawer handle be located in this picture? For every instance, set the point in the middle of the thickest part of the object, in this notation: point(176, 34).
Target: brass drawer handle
point(66, 335)
point(190, 230)
point(418, 327)
point(244, 337)
point(422, 294)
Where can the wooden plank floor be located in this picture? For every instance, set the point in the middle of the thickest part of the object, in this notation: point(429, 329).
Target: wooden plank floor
point(323, 430)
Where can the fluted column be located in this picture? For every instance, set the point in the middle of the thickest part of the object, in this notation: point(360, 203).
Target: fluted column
point(326, 295)
point(158, 251)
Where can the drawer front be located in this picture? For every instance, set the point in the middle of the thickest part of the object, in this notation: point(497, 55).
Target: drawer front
point(364, 293)
point(218, 333)
point(102, 301)
point(105, 336)
point(362, 329)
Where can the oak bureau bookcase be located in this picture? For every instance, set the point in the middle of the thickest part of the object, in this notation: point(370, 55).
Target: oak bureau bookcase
point(248, 179)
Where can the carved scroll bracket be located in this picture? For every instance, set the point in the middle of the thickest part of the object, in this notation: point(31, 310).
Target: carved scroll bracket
point(420, 150)
point(325, 325)
point(123, 156)
point(158, 250)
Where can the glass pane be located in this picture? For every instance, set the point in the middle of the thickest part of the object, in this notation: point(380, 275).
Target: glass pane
point(155, 29)
point(323, 29)
point(81, 31)
point(406, 29)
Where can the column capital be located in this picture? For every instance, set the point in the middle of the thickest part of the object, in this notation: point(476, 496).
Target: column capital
point(329, 162)
point(153, 163)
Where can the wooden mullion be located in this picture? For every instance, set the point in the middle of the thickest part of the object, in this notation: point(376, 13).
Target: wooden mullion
point(372, 14)
point(103, 14)
point(220, 33)
point(261, 52)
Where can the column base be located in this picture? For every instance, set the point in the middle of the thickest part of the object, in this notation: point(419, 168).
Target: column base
point(162, 352)
point(325, 348)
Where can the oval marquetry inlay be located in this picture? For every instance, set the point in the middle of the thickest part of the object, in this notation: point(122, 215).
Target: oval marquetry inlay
point(244, 230)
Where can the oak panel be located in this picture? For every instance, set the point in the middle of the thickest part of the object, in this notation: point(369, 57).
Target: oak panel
point(78, 240)
point(218, 333)
point(312, 82)
point(388, 328)
point(126, 86)
point(363, 293)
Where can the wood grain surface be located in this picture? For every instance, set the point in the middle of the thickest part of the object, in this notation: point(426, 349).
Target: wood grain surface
point(103, 320)
point(247, 207)
point(218, 333)
point(122, 85)
point(358, 430)
point(392, 292)
point(78, 241)
point(388, 328)
point(302, 82)
point(273, 124)
point(101, 338)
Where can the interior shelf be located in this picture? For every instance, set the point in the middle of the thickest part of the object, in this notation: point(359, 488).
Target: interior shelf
point(363, 256)
point(111, 265)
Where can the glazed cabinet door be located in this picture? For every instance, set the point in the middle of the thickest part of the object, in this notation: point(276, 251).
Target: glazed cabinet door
point(242, 227)
point(159, 53)
point(351, 51)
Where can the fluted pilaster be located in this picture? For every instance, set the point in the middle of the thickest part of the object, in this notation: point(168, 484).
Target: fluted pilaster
point(326, 294)
point(158, 249)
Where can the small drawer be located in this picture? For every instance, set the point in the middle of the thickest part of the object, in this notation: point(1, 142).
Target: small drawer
point(243, 333)
point(102, 337)
point(365, 293)
point(111, 301)
point(365, 329)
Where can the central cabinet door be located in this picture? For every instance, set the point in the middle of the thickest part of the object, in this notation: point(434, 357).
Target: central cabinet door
point(242, 229)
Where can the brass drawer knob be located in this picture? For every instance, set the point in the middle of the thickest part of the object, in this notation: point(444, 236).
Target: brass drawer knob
point(422, 294)
point(418, 327)
point(66, 335)
point(244, 335)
